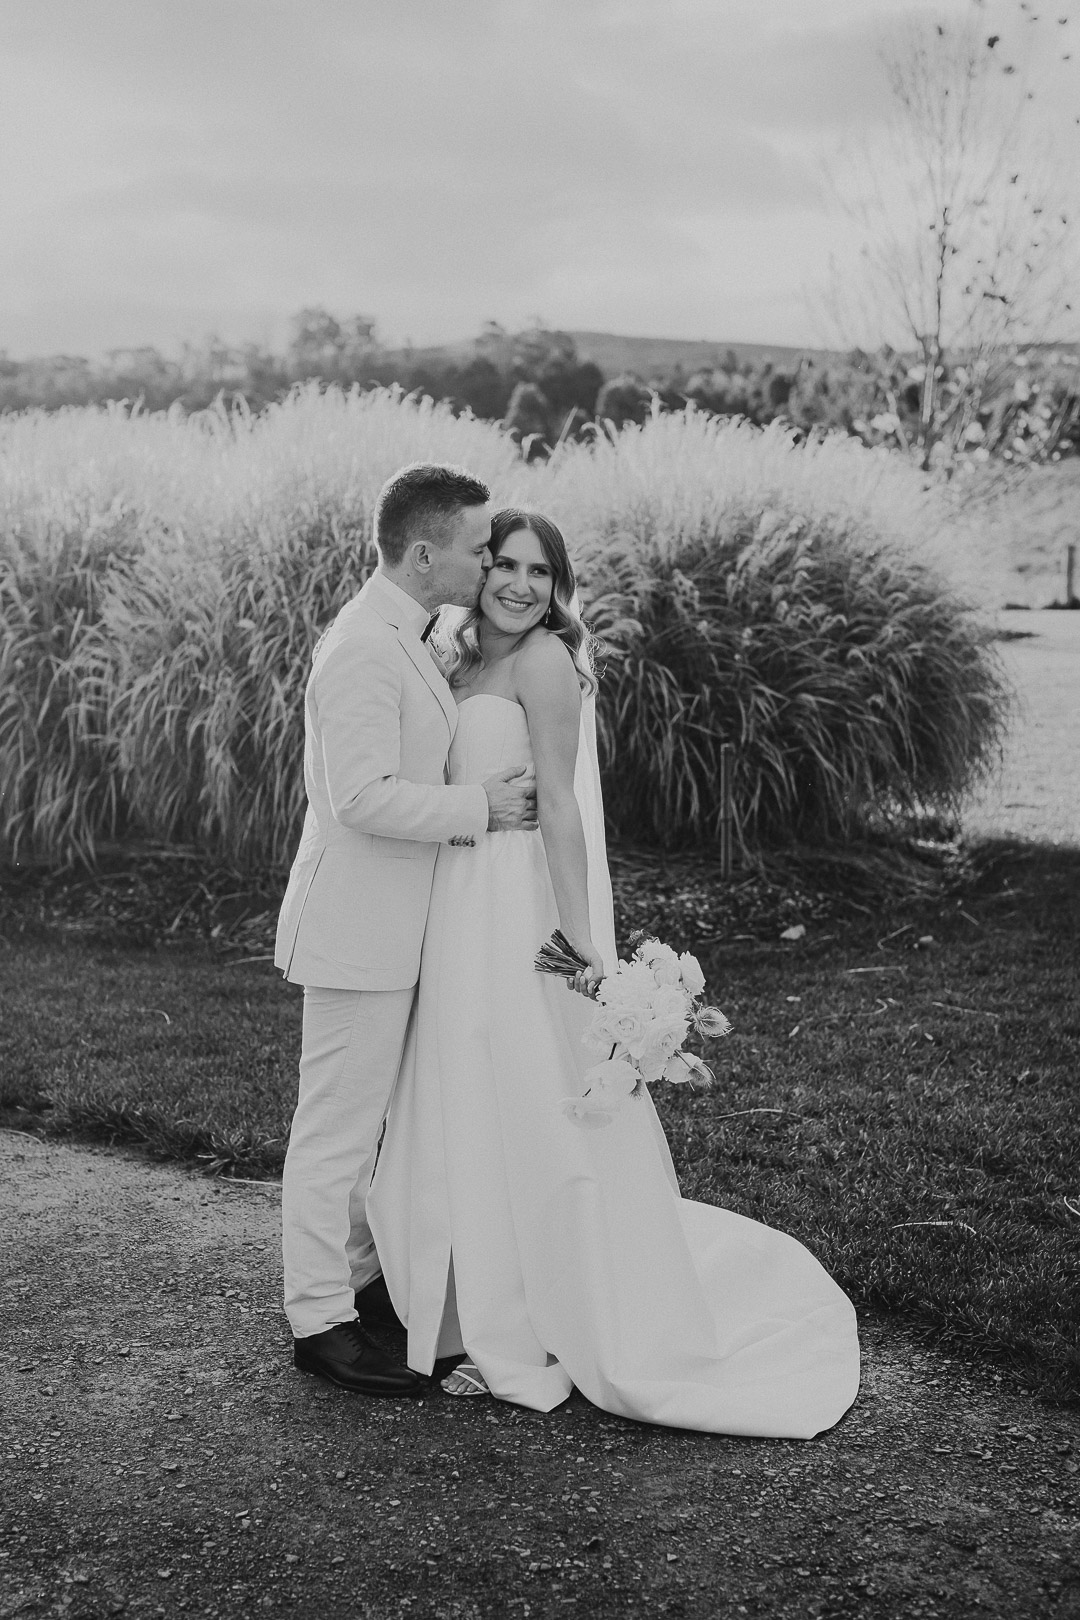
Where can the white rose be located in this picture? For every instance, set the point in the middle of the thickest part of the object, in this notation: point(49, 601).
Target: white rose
point(690, 971)
point(662, 1040)
point(671, 1001)
point(616, 1026)
point(669, 1032)
point(598, 1036)
point(666, 973)
point(652, 951)
point(652, 1064)
point(631, 985)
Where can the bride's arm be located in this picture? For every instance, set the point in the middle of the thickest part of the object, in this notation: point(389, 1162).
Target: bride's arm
point(547, 688)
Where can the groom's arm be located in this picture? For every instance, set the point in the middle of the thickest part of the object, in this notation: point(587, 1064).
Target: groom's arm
point(358, 701)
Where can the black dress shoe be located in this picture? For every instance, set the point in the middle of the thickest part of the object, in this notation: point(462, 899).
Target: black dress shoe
point(375, 1308)
point(346, 1356)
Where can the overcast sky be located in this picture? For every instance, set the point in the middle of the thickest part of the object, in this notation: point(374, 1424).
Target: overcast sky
point(174, 167)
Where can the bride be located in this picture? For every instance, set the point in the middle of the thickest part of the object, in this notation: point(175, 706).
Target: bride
point(552, 1255)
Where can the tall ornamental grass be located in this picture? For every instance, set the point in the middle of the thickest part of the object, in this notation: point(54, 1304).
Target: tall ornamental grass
point(81, 493)
point(163, 580)
point(85, 494)
point(792, 600)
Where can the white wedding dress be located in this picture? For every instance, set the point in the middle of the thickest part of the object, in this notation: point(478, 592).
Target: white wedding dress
point(558, 1255)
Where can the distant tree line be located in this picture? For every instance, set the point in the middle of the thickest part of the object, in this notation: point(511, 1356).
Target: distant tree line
point(482, 377)
point(1025, 407)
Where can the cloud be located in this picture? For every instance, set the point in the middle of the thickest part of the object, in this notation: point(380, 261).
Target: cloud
point(430, 164)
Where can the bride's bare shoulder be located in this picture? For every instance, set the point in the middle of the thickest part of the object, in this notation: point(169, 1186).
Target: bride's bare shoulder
point(543, 651)
point(544, 674)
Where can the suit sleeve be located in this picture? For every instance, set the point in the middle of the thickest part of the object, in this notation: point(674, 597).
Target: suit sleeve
point(358, 698)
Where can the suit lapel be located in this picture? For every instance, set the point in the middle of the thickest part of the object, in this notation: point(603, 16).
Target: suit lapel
point(387, 605)
point(432, 675)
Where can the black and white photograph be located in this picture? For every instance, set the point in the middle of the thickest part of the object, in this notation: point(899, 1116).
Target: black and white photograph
point(540, 809)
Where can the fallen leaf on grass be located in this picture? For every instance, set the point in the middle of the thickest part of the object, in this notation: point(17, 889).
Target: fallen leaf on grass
point(739, 1112)
point(796, 931)
point(980, 1012)
point(964, 1227)
point(159, 1010)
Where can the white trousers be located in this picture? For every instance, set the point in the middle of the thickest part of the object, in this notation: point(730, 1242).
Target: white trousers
point(349, 1059)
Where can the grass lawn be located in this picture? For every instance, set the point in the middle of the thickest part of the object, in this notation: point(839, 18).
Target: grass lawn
point(905, 1106)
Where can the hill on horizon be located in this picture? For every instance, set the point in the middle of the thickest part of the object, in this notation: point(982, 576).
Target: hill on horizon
point(649, 356)
point(615, 353)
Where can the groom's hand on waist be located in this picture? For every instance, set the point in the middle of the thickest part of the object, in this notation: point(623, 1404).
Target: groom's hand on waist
point(511, 800)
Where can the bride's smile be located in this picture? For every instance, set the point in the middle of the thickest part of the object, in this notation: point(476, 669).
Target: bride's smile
point(518, 586)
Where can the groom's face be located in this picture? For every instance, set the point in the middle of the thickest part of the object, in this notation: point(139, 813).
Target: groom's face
point(461, 565)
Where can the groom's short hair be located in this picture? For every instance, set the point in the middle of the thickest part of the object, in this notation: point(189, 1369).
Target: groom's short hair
point(415, 503)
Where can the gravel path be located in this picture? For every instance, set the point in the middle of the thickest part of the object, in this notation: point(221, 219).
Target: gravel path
point(1037, 793)
point(161, 1456)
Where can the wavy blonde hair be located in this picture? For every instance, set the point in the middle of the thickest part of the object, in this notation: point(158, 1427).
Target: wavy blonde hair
point(562, 619)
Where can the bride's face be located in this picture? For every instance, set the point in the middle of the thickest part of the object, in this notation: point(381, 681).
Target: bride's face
point(518, 586)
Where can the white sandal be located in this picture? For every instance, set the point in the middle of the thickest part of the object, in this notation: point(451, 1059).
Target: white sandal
point(472, 1375)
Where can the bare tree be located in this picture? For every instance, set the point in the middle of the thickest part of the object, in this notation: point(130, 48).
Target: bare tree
point(964, 254)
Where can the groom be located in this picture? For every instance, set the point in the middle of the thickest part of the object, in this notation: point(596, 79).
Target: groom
point(379, 720)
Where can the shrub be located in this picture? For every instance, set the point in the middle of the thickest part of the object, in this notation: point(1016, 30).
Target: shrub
point(782, 598)
point(176, 678)
point(163, 580)
point(622, 399)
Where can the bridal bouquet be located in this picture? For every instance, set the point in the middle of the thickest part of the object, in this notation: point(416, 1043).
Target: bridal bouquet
point(645, 1012)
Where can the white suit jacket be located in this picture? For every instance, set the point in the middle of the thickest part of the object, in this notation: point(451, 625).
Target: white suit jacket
point(379, 720)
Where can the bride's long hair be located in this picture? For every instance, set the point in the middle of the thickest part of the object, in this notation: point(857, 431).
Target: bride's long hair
point(562, 619)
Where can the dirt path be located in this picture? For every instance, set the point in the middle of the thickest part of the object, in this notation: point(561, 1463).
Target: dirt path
point(162, 1457)
point(1037, 793)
